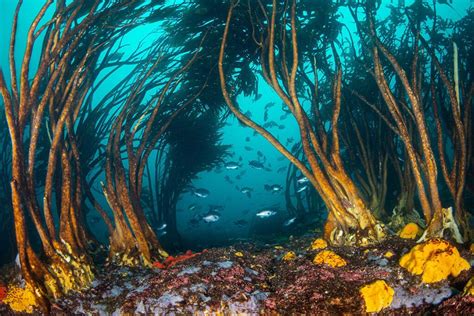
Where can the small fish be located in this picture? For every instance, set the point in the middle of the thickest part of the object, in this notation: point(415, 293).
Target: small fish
point(247, 139)
point(248, 114)
point(270, 124)
point(281, 169)
point(232, 165)
point(256, 164)
point(247, 191)
point(283, 117)
point(211, 218)
point(281, 126)
point(202, 193)
point(302, 179)
point(192, 207)
point(248, 148)
point(285, 108)
point(227, 178)
point(258, 96)
point(302, 188)
point(162, 227)
point(274, 188)
point(265, 213)
point(269, 104)
point(289, 221)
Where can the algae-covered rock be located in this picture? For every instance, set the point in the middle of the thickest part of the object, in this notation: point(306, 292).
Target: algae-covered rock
point(377, 296)
point(329, 258)
point(410, 231)
point(435, 260)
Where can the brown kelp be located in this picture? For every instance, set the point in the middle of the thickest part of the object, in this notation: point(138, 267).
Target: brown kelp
point(350, 220)
point(415, 97)
point(48, 103)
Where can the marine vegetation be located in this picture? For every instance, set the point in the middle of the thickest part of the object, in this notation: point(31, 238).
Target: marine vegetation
point(228, 157)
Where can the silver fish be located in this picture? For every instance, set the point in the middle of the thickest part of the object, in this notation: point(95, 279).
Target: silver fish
point(265, 213)
point(256, 164)
point(232, 165)
point(302, 179)
point(202, 193)
point(302, 188)
point(289, 221)
point(211, 218)
point(247, 191)
point(274, 188)
point(162, 226)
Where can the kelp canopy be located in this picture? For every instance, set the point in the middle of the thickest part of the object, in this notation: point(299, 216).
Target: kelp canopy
point(382, 107)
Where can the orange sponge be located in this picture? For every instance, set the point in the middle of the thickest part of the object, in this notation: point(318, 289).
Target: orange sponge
point(434, 260)
point(329, 258)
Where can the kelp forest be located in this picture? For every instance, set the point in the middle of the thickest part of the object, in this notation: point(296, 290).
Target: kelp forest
point(236, 157)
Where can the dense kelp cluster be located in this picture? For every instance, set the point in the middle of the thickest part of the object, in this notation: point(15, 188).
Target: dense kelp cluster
point(381, 108)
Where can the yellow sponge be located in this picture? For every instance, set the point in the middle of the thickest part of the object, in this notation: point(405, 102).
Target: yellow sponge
point(329, 258)
point(377, 296)
point(290, 255)
point(434, 260)
point(410, 231)
point(21, 300)
point(319, 244)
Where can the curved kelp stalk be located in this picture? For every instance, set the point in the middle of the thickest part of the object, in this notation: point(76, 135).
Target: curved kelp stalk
point(142, 121)
point(350, 221)
point(420, 101)
point(41, 112)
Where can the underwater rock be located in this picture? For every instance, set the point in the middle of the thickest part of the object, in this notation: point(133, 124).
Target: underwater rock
point(224, 264)
point(189, 270)
point(418, 296)
point(377, 296)
point(410, 231)
point(435, 260)
point(329, 258)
